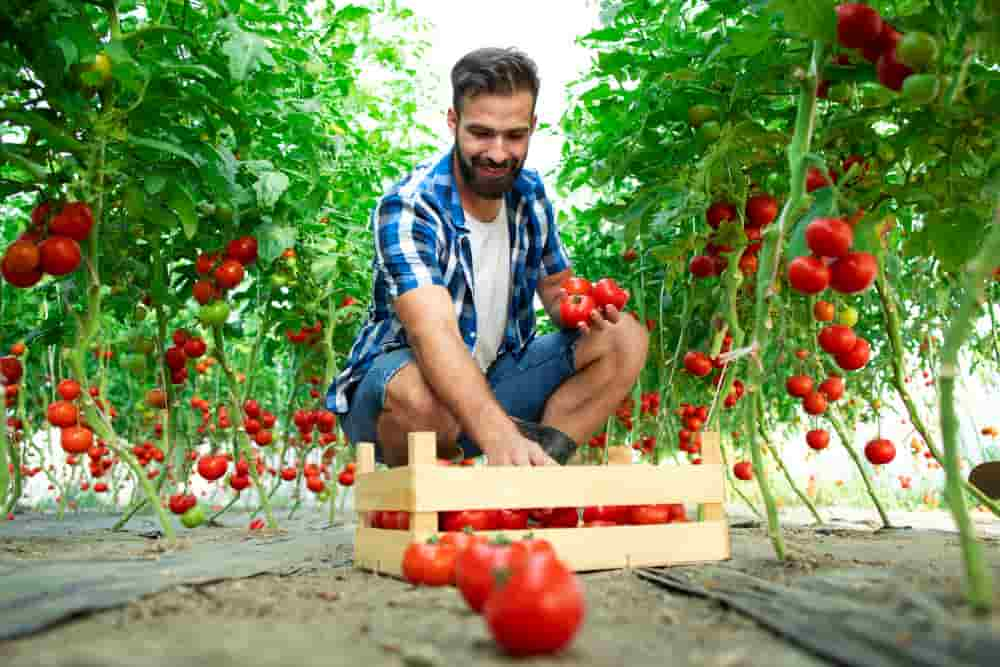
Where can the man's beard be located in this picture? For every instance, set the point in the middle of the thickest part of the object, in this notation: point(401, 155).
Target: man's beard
point(484, 186)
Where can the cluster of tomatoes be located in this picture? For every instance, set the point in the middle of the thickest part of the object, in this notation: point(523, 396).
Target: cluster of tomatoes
point(897, 57)
point(693, 418)
point(219, 273)
point(11, 371)
point(832, 263)
point(761, 210)
point(51, 245)
point(532, 602)
point(185, 347)
point(701, 365)
point(582, 298)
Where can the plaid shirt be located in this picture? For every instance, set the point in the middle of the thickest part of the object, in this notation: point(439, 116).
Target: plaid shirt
point(421, 239)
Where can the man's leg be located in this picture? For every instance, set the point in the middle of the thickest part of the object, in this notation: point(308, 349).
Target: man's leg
point(411, 405)
point(608, 362)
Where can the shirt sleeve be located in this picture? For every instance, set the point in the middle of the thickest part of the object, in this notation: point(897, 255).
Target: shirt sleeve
point(406, 246)
point(554, 256)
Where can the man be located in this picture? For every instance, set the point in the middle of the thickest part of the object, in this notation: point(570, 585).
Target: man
point(462, 246)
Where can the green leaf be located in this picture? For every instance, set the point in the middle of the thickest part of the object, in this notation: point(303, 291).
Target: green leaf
point(815, 19)
point(272, 240)
point(180, 200)
point(269, 187)
point(163, 146)
point(245, 50)
point(603, 35)
point(954, 236)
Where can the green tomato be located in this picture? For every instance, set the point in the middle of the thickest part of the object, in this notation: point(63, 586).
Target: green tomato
point(323, 495)
point(921, 89)
point(214, 314)
point(699, 113)
point(194, 517)
point(279, 280)
point(875, 95)
point(848, 316)
point(710, 131)
point(917, 50)
point(841, 92)
point(223, 213)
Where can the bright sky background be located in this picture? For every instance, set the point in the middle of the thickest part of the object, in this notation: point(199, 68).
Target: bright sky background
point(546, 30)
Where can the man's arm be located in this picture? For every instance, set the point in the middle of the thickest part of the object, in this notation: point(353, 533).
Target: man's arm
point(432, 330)
point(551, 294)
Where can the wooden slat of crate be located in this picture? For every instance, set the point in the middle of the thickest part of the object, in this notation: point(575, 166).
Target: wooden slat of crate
point(582, 549)
point(433, 488)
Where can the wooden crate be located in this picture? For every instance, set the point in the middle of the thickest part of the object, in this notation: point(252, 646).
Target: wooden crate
point(425, 488)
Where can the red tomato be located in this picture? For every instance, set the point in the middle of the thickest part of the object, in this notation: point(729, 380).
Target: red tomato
point(697, 363)
point(429, 564)
point(229, 274)
point(761, 210)
point(829, 237)
point(743, 470)
point(856, 358)
point(243, 250)
point(212, 467)
point(880, 451)
point(718, 212)
point(607, 292)
point(606, 513)
point(808, 274)
point(702, 266)
point(76, 439)
point(475, 569)
point(837, 339)
point(460, 540)
point(854, 272)
point(818, 439)
point(62, 413)
point(814, 403)
point(677, 512)
point(506, 519)
point(815, 179)
point(563, 517)
point(575, 310)
point(891, 72)
point(858, 25)
point(459, 519)
point(542, 593)
point(59, 255)
point(68, 389)
point(577, 285)
point(798, 385)
point(73, 221)
point(643, 515)
point(181, 502)
point(823, 311)
point(832, 388)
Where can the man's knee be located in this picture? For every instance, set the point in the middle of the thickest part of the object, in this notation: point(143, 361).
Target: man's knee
point(412, 402)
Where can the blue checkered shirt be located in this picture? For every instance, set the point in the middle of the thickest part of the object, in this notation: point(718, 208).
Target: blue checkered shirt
point(421, 239)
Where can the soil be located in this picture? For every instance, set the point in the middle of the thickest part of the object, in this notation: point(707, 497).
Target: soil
point(325, 612)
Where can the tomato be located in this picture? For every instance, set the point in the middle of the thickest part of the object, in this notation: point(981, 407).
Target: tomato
point(697, 363)
point(22, 257)
point(288, 474)
point(459, 541)
point(647, 515)
point(180, 503)
point(614, 514)
point(823, 311)
point(837, 339)
point(799, 385)
point(891, 72)
point(562, 517)
point(214, 314)
point(880, 451)
point(205, 263)
point(510, 519)
point(212, 467)
point(59, 255)
point(429, 564)
point(538, 610)
point(76, 439)
point(856, 358)
point(921, 88)
point(175, 358)
point(243, 250)
point(203, 291)
point(576, 285)
point(832, 388)
point(229, 274)
point(192, 518)
point(459, 519)
point(718, 212)
point(808, 274)
point(702, 266)
point(19, 279)
point(854, 272)
point(700, 113)
point(887, 39)
point(743, 470)
point(62, 413)
point(748, 263)
point(575, 310)
point(761, 210)
point(818, 439)
point(475, 571)
point(630, 255)
point(75, 221)
point(240, 482)
point(195, 347)
point(814, 403)
point(857, 25)
point(607, 292)
point(829, 237)
point(11, 369)
point(917, 50)
point(263, 438)
point(848, 316)
point(816, 180)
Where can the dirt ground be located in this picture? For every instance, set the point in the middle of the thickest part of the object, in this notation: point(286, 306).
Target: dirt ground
point(328, 613)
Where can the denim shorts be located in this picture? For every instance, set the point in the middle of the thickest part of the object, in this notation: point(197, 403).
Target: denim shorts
point(520, 386)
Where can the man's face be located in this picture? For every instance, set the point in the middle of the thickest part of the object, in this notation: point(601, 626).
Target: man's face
point(491, 138)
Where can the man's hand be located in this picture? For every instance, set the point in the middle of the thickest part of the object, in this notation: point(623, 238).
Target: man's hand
point(600, 318)
point(517, 451)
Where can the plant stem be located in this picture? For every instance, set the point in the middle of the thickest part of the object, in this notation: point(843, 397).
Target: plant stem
point(978, 579)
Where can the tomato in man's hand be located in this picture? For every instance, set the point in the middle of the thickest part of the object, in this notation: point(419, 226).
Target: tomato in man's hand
point(607, 293)
point(577, 285)
point(575, 310)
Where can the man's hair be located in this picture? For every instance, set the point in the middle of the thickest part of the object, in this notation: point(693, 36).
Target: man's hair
point(493, 70)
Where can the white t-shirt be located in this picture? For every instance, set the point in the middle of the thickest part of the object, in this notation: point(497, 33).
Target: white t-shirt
point(490, 244)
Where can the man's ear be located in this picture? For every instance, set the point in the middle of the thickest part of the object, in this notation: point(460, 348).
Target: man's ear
point(452, 119)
